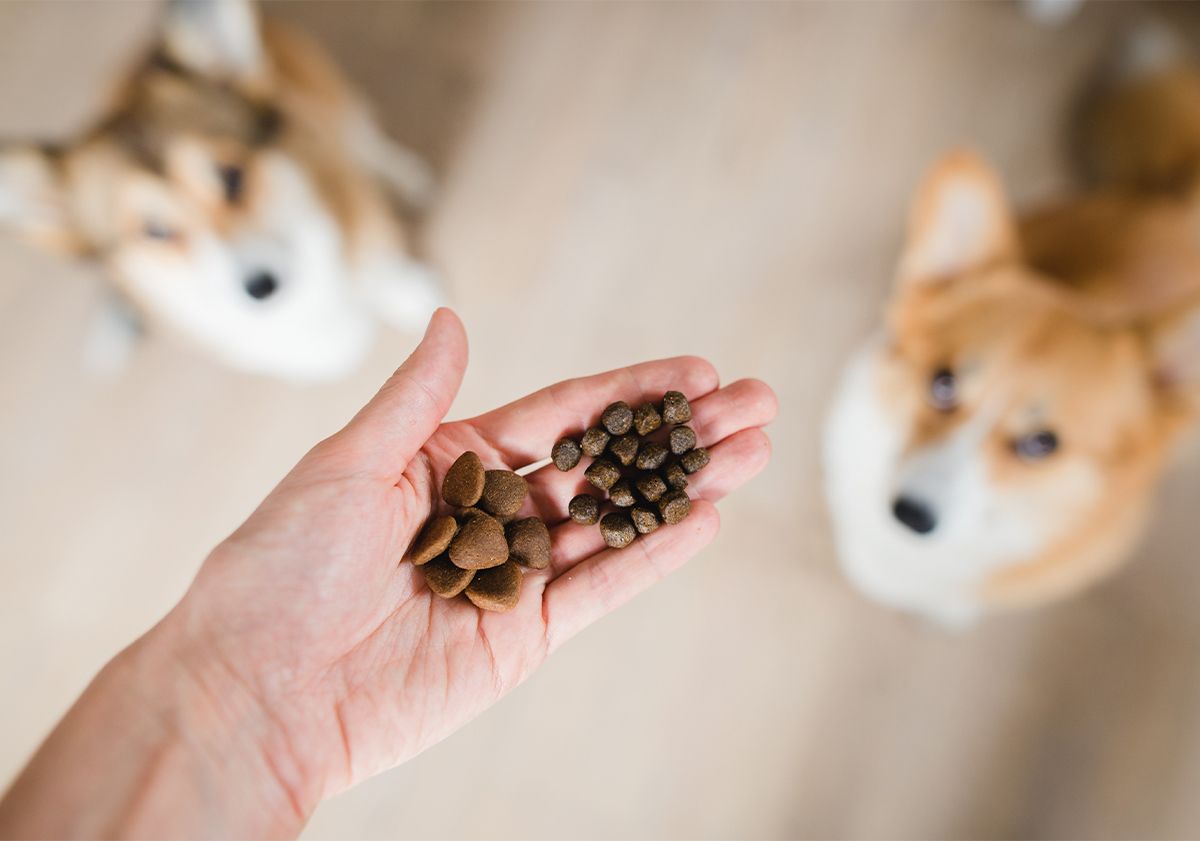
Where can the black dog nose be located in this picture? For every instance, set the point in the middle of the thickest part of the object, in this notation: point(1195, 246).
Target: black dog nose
point(261, 285)
point(914, 515)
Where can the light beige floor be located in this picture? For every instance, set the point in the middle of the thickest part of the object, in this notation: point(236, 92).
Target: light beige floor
point(742, 170)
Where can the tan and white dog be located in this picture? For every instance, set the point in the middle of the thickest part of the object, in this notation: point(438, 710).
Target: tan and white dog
point(240, 195)
point(997, 444)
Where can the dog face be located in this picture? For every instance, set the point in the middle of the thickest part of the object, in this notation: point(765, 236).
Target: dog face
point(996, 427)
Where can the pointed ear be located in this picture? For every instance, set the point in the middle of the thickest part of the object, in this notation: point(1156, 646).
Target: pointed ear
point(217, 39)
point(32, 199)
point(959, 221)
point(1175, 355)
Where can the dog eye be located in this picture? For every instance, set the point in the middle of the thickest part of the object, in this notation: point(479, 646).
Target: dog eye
point(1036, 446)
point(231, 182)
point(943, 390)
point(157, 230)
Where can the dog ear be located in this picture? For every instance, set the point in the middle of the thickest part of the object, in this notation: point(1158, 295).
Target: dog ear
point(1175, 356)
point(960, 220)
point(32, 199)
point(217, 39)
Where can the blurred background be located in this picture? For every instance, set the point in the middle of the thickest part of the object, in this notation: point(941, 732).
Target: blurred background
point(742, 172)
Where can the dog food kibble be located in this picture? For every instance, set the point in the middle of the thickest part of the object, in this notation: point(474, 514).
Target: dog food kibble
point(463, 484)
point(433, 540)
point(675, 476)
point(479, 544)
point(445, 579)
point(595, 440)
point(617, 529)
point(645, 520)
point(617, 418)
point(693, 460)
point(646, 419)
point(503, 492)
point(566, 454)
point(584, 509)
point(529, 542)
point(652, 456)
point(498, 588)
point(602, 473)
point(621, 494)
point(682, 439)
point(676, 408)
point(624, 448)
point(674, 507)
point(651, 487)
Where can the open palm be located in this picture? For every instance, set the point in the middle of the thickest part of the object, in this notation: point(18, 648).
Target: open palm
point(356, 664)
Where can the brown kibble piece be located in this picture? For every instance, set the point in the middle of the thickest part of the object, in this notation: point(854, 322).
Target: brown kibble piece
point(433, 539)
point(503, 492)
point(674, 507)
point(652, 456)
point(479, 544)
point(617, 529)
point(584, 509)
point(676, 408)
point(595, 440)
point(624, 448)
point(566, 454)
point(645, 520)
point(529, 542)
point(651, 487)
point(464, 481)
point(617, 418)
point(445, 579)
point(693, 460)
point(497, 589)
point(682, 439)
point(602, 473)
point(621, 494)
point(675, 476)
point(646, 419)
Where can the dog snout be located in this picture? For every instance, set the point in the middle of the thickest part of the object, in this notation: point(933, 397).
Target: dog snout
point(261, 285)
point(914, 514)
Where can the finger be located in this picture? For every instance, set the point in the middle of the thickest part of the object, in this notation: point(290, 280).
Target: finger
point(608, 579)
point(525, 430)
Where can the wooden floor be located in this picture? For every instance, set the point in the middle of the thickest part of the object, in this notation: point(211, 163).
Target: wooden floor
point(742, 170)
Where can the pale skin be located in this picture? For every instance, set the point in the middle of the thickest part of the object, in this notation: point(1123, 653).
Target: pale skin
point(305, 658)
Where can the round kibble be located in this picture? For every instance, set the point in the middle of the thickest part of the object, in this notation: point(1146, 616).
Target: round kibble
point(674, 507)
point(463, 484)
point(479, 544)
point(584, 509)
point(624, 448)
point(676, 408)
point(566, 454)
point(503, 492)
point(617, 529)
point(621, 494)
point(645, 520)
point(646, 419)
point(433, 539)
point(445, 579)
point(693, 460)
point(529, 542)
point(651, 487)
point(675, 476)
point(595, 440)
point(497, 589)
point(652, 456)
point(602, 473)
point(617, 418)
point(682, 439)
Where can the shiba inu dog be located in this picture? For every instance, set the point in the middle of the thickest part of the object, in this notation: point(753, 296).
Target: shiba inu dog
point(997, 444)
point(239, 194)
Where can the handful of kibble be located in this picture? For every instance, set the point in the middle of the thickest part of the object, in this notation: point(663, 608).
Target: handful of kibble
point(643, 474)
point(480, 549)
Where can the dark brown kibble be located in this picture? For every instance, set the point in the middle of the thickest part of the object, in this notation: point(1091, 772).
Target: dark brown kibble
point(503, 492)
point(594, 442)
point(675, 476)
point(445, 579)
point(652, 456)
point(464, 514)
point(683, 438)
point(645, 520)
point(463, 484)
point(651, 487)
point(584, 509)
point(497, 589)
point(602, 473)
point(674, 507)
point(617, 418)
point(676, 408)
point(693, 460)
point(479, 544)
point(566, 454)
point(621, 494)
point(646, 419)
point(529, 542)
point(624, 448)
point(433, 540)
point(617, 529)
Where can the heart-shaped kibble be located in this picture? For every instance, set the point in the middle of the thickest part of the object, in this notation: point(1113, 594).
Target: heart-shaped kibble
point(463, 484)
point(497, 589)
point(479, 544)
point(503, 493)
point(617, 529)
point(675, 408)
point(529, 542)
point(674, 507)
point(594, 442)
point(682, 439)
point(433, 539)
point(566, 454)
point(445, 579)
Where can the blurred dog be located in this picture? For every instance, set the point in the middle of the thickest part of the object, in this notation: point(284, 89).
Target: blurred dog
point(998, 443)
point(240, 195)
